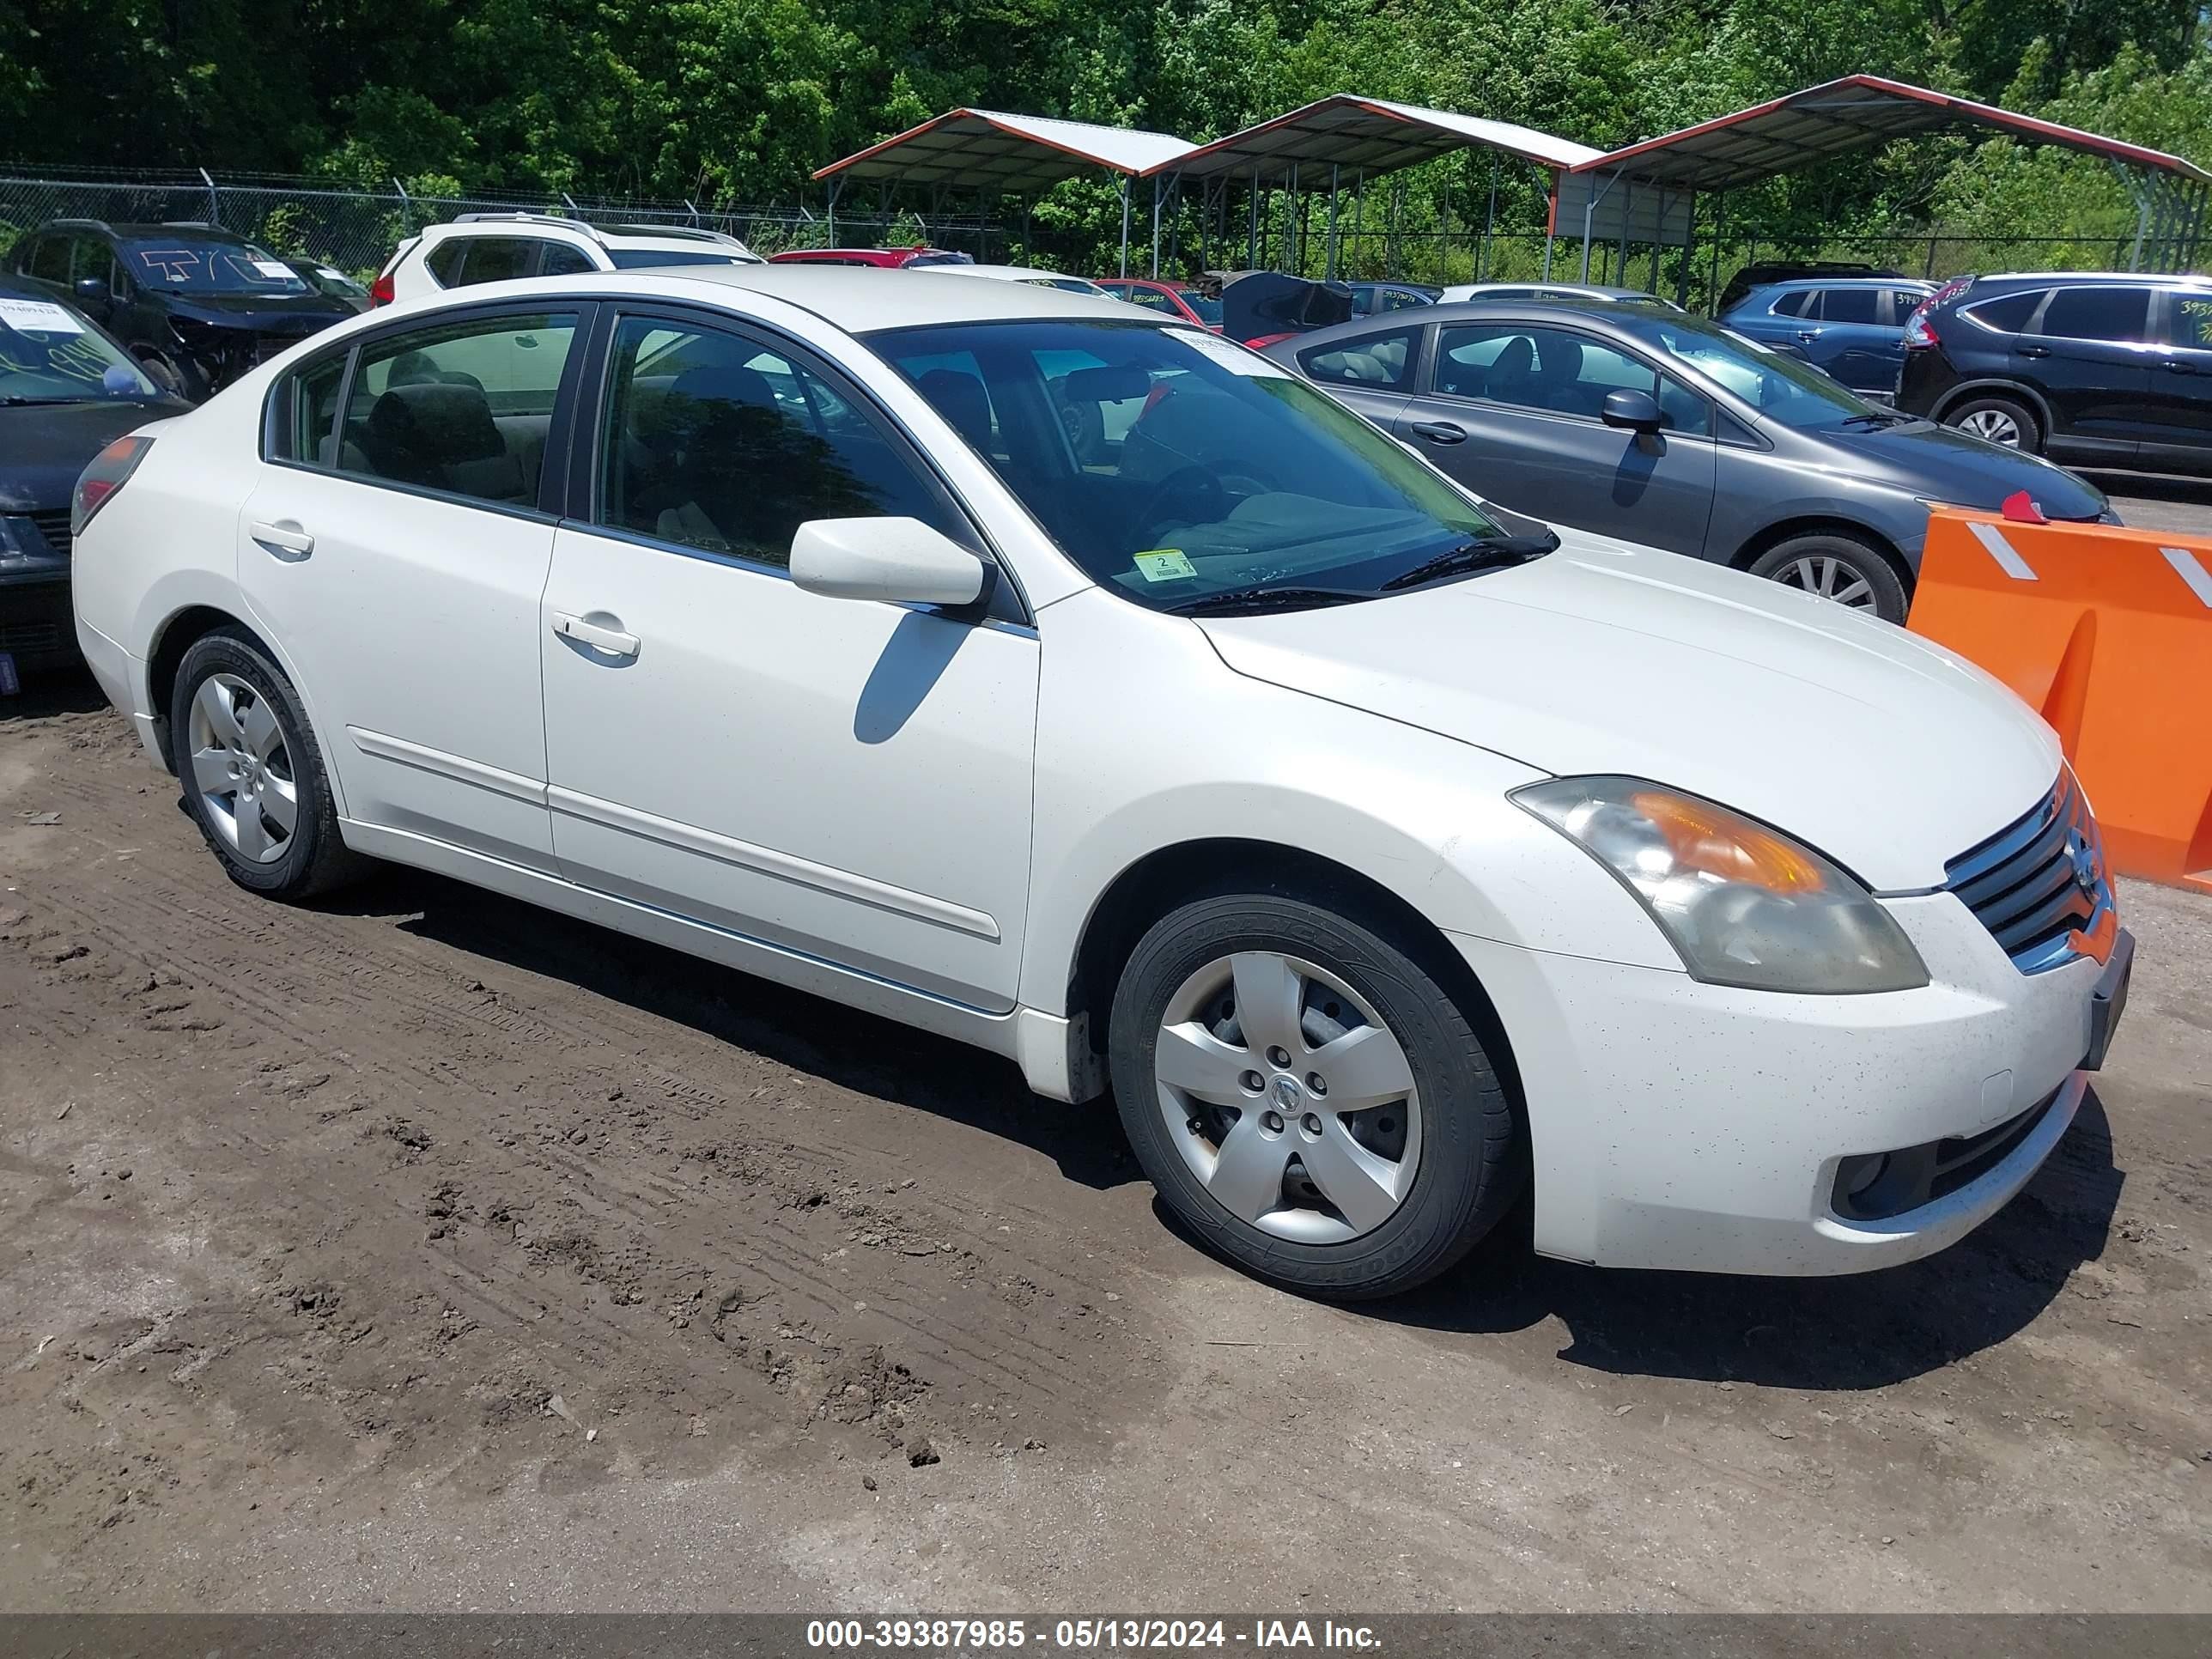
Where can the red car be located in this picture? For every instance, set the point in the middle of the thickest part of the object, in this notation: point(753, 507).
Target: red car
point(1177, 299)
point(892, 258)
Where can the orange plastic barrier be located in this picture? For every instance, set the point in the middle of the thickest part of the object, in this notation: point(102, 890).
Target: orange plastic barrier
point(2108, 632)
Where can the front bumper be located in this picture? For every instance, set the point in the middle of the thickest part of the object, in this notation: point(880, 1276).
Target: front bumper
point(34, 618)
point(1680, 1124)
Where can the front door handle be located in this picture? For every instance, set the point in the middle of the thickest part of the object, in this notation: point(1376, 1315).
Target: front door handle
point(609, 642)
point(2035, 351)
point(1440, 432)
point(283, 540)
point(2178, 368)
point(1809, 333)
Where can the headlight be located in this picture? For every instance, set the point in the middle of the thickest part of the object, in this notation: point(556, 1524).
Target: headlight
point(1744, 904)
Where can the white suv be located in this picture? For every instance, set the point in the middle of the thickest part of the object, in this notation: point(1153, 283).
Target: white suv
point(497, 247)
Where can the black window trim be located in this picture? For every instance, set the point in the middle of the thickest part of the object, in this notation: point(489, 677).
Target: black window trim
point(1635, 353)
point(552, 481)
point(1005, 603)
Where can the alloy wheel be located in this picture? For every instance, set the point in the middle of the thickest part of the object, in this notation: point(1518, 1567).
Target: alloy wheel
point(1289, 1097)
point(242, 770)
point(1995, 425)
point(1830, 578)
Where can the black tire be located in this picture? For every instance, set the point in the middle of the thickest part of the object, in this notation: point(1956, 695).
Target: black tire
point(1992, 405)
point(1803, 561)
point(1473, 1163)
point(315, 858)
point(165, 373)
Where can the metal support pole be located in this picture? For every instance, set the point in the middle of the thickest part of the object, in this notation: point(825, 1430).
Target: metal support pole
point(1589, 210)
point(1689, 256)
point(1713, 285)
point(831, 186)
point(1329, 269)
point(215, 206)
point(1252, 232)
point(1392, 251)
point(1619, 269)
point(1125, 224)
point(1156, 226)
point(1489, 225)
point(1290, 224)
point(2143, 213)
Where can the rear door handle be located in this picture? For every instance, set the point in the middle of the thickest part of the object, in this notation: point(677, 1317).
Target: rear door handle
point(1440, 432)
point(2178, 368)
point(285, 541)
point(1809, 333)
point(611, 641)
point(2035, 351)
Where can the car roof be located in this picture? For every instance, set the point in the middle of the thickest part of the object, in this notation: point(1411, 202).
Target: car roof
point(12, 288)
point(857, 299)
point(1849, 281)
point(1613, 312)
point(2090, 278)
point(1017, 273)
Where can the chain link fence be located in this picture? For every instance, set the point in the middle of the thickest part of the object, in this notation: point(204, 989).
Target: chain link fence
point(355, 230)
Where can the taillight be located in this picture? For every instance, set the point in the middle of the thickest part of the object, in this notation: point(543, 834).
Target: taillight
point(110, 470)
point(380, 291)
point(1918, 330)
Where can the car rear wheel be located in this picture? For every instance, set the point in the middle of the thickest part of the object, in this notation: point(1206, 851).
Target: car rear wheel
point(2000, 420)
point(253, 774)
point(1307, 1099)
point(1837, 566)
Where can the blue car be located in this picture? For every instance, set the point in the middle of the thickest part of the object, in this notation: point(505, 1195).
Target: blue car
point(1852, 326)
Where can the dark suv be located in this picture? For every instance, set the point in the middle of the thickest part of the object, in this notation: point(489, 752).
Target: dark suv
point(2090, 368)
point(196, 304)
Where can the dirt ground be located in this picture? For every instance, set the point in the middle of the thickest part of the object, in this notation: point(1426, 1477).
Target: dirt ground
point(426, 1251)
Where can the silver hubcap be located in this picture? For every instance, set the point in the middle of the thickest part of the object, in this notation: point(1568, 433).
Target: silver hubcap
point(1288, 1097)
point(1994, 424)
point(241, 768)
point(1830, 578)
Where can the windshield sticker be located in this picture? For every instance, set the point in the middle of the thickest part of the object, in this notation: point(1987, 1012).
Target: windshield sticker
point(328, 275)
point(1164, 564)
point(274, 271)
point(175, 264)
point(1233, 357)
point(37, 317)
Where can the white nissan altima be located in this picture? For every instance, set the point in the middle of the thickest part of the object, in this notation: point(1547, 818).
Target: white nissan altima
point(1383, 855)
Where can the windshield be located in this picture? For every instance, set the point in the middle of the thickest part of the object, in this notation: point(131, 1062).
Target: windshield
point(1208, 310)
point(1778, 386)
point(1070, 284)
point(1174, 467)
point(332, 280)
point(189, 264)
point(48, 354)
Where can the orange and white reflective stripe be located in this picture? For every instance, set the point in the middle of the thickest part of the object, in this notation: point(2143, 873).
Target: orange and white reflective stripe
point(2190, 569)
point(1993, 541)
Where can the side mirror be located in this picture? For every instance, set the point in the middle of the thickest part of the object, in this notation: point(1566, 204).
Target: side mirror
point(897, 560)
point(91, 292)
point(1637, 410)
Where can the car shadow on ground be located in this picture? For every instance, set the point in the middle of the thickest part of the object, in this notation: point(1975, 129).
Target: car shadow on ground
point(839, 1045)
point(46, 695)
point(1863, 1331)
point(2151, 486)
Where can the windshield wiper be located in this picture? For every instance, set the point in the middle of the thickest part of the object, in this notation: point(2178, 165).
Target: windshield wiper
point(17, 400)
point(1236, 599)
point(1876, 417)
point(1474, 556)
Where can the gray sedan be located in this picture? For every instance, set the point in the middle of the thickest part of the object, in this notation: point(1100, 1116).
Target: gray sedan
point(1638, 421)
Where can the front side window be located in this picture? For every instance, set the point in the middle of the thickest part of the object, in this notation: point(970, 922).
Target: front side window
point(2115, 313)
point(717, 442)
point(2189, 320)
point(1150, 298)
point(1380, 360)
point(1777, 386)
point(1903, 302)
point(50, 260)
point(185, 263)
point(463, 407)
point(1558, 371)
point(1183, 471)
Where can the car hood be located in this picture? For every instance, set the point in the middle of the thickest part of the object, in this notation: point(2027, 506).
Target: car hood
point(263, 314)
point(1889, 753)
point(1940, 465)
point(43, 446)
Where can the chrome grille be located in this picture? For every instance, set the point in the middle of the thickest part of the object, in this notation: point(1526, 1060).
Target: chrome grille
point(54, 525)
point(2038, 881)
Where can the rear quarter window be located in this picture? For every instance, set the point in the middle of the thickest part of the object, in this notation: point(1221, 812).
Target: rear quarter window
point(2006, 315)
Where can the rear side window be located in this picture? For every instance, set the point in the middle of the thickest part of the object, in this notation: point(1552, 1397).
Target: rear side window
point(1380, 360)
point(1794, 304)
point(498, 258)
point(645, 259)
point(2008, 315)
point(2097, 313)
point(1849, 305)
point(444, 261)
point(465, 407)
point(1903, 302)
point(311, 414)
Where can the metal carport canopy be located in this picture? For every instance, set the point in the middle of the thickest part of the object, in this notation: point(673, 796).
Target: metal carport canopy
point(1370, 135)
point(1010, 155)
point(1834, 118)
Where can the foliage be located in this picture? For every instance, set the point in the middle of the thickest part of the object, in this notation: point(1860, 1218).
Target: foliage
point(721, 100)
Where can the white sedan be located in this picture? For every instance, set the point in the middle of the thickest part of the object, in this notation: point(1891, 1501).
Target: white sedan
point(1382, 854)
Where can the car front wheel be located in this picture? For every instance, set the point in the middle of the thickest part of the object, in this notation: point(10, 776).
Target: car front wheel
point(252, 772)
point(2000, 420)
point(1837, 566)
point(1308, 1098)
